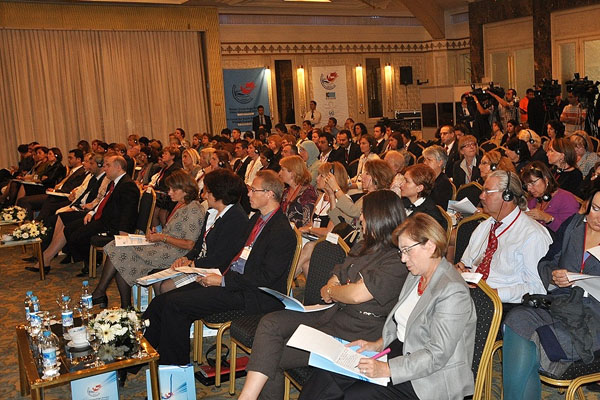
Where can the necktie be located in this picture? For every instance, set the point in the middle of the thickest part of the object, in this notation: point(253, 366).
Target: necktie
point(262, 120)
point(260, 222)
point(312, 114)
point(492, 246)
point(98, 214)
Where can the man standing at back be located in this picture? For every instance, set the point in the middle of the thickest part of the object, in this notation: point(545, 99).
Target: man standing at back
point(264, 260)
point(261, 120)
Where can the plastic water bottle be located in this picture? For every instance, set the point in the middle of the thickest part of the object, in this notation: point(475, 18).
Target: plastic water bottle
point(35, 303)
point(86, 296)
point(49, 347)
point(66, 314)
point(28, 304)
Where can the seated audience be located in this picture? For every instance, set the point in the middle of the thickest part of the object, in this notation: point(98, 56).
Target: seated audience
point(466, 169)
point(190, 159)
point(298, 201)
point(506, 247)
point(430, 330)
point(164, 205)
point(397, 160)
point(364, 288)
point(309, 152)
point(264, 261)
point(492, 161)
point(435, 157)
point(584, 150)
point(255, 162)
point(534, 144)
point(268, 160)
point(367, 147)
point(418, 183)
point(551, 339)
point(562, 156)
point(556, 130)
point(518, 153)
point(548, 204)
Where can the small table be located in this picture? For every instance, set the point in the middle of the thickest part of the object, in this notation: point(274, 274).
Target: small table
point(37, 247)
point(31, 381)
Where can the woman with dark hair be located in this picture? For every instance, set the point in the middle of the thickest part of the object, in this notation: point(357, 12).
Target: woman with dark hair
point(358, 131)
point(84, 146)
point(430, 332)
point(591, 181)
point(561, 155)
point(219, 159)
point(197, 142)
point(146, 165)
point(551, 339)
point(163, 203)
point(548, 204)
point(55, 172)
point(364, 288)
point(299, 197)
point(395, 142)
point(367, 147)
point(497, 133)
point(416, 189)
point(518, 152)
point(222, 232)
point(267, 159)
point(126, 264)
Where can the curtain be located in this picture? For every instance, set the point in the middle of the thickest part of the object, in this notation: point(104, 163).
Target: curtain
point(59, 87)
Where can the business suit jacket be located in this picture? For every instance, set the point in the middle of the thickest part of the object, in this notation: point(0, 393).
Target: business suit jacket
point(240, 167)
point(381, 146)
point(439, 339)
point(459, 176)
point(256, 123)
point(268, 264)
point(223, 242)
point(415, 149)
point(54, 174)
point(453, 157)
point(427, 207)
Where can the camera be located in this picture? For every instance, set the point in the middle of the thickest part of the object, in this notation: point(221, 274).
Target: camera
point(583, 88)
point(484, 97)
point(549, 90)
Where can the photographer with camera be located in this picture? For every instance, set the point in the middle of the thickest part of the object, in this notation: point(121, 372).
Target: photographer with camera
point(573, 115)
point(507, 107)
point(479, 108)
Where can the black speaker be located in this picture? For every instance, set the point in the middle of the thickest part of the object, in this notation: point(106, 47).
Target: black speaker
point(406, 75)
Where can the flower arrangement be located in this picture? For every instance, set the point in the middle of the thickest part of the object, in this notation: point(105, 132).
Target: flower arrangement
point(29, 230)
point(13, 214)
point(116, 329)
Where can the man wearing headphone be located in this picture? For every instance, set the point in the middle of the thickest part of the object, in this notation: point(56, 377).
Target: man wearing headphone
point(328, 153)
point(506, 247)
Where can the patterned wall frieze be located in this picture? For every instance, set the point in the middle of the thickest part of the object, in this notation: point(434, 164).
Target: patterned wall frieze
point(343, 48)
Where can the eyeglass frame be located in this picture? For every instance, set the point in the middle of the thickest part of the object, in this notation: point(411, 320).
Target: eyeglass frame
point(406, 250)
point(254, 190)
point(472, 144)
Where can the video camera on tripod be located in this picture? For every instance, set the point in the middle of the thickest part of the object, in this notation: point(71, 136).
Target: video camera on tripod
point(585, 89)
point(483, 95)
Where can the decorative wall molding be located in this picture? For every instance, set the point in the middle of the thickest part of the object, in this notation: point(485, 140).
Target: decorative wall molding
point(343, 48)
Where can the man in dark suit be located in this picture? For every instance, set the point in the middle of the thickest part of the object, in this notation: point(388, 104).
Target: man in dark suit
point(379, 135)
point(328, 153)
point(349, 151)
point(115, 214)
point(409, 143)
point(261, 120)
point(450, 145)
point(52, 203)
point(264, 260)
point(241, 152)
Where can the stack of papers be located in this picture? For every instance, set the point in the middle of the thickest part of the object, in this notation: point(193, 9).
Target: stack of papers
point(292, 304)
point(172, 273)
point(589, 283)
point(464, 206)
point(131, 240)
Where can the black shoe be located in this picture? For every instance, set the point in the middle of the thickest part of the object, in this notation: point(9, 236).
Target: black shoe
point(102, 301)
point(36, 269)
point(66, 260)
point(85, 271)
point(30, 259)
point(122, 375)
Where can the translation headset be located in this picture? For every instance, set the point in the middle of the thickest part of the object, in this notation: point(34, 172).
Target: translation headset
point(221, 164)
point(100, 163)
point(585, 145)
point(531, 141)
point(493, 166)
point(507, 194)
point(546, 197)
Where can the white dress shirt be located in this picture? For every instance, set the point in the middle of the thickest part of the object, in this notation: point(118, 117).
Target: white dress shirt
point(513, 269)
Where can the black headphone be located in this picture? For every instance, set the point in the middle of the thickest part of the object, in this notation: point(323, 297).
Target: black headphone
point(584, 141)
point(493, 166)
point(100, 163)
point(256, 150)
point(221, 164)
point(507, 194)
point(546, 197)
point(531, 141)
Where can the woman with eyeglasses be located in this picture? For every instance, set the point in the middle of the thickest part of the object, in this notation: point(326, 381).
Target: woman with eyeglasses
point(551, 339)
point(492, 161)
point(584, 151)
point(548, 204)
point(561, 155)
point(430, 332)
point(363, 288)
point(467, 170)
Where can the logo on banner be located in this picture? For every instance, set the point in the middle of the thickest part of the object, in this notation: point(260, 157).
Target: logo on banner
point(94, 390)
point(327, 81)
point(242, 93)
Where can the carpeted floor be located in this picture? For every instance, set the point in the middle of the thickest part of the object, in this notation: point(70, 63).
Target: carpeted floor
point(62, 279)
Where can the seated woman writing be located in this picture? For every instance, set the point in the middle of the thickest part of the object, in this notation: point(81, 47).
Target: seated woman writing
point(430, 330)
point(364, 289)
point(126, 264)
point(542, 338)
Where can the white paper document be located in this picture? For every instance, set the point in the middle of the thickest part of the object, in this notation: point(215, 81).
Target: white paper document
point(463, 206)
point(58, 194)
point(472, 277)
point(292, 304)
point(331, 354)
point(131, 240)
point(589, 283)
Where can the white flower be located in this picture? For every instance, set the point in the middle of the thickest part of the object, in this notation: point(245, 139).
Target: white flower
point(6, 217)
point(119, 330)
point(113, 317)
point(25, 235)
point(107, 352)
point(21, 215)
point(106, 334)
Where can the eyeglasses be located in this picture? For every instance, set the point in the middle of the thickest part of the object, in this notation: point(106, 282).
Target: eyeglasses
point(468, 145)
point(533, 182)
point(490, 191)
point(254, 190)
point(406, 250)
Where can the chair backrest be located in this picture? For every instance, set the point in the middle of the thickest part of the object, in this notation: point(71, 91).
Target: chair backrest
point(464, 230)
point(324, 257)
point(471, 191)
point(595, 142)
point(413, 159)
point(453, 190)
point(488, 145)
point(489, 313)
point(295, 260)
point(146, 210)
point(448, 219)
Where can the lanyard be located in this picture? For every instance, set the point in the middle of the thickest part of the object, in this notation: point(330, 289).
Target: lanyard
point(511, 224)
point(177, 207)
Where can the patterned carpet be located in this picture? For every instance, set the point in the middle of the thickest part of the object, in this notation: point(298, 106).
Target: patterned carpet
point(62, 278)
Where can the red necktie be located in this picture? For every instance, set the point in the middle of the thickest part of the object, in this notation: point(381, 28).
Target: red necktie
point(492, 246)
point(111, 186)
point(260, 222)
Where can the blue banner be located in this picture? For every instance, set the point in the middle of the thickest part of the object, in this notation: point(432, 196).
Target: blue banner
point(245, 90)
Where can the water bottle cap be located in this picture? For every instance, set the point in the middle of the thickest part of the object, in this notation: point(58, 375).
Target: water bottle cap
point(34, 298)
point(47, 333)
point(66, 298)
point(85, 283)
point(29, 293)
